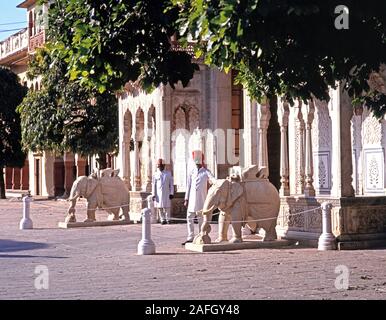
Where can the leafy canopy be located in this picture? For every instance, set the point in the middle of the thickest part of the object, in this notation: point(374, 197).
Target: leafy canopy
point(290, 48)
point(63, 115)
point(107, 43)
point(11, 94)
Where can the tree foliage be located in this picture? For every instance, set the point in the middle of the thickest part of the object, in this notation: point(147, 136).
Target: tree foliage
point(107, 43)
point(11, 94)
point(290, 48)
point(64, 116)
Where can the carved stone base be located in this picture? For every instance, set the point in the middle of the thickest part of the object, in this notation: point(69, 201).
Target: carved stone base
point(67, 225)
point(138, 201)
point(357, 223)
point(227, 246)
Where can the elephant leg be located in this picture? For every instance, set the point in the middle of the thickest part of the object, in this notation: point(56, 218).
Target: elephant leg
point(270, 230)
point(71, 212)
point(237, 214)
point(223, 225)
point(251, 225)
point(125, 213)
point(113, 214)
point(91, 207)
point(70, 216)
point(203, 237)
point(236, 228)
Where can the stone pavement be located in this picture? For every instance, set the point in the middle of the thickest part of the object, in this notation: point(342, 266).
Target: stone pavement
point(101, 263)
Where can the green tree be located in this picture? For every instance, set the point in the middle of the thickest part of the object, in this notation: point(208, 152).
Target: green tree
point(11, 94)
point(107, 43)
point(64, 116)
point(291, 48)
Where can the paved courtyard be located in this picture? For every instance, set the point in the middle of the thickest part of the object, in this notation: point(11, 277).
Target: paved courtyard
point(101, 263)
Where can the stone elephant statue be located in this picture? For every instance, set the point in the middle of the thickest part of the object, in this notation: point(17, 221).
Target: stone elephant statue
point(102, 189)
point(242, 199)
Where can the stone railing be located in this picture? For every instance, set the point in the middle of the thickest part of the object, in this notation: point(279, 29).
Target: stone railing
point(14, 43)
point(36, 41)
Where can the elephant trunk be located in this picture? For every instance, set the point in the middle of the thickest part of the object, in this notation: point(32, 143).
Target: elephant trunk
point(74, 193)
point(209, 206)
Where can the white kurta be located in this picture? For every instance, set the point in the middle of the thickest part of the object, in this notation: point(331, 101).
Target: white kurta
point(197, 188)
point(162, 188)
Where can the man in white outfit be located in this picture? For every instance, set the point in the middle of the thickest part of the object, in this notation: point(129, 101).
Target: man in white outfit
point(162, 192)
point(196, 191)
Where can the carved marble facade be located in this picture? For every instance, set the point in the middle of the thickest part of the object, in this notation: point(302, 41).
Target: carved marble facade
point(170, 124)
point(328, 150)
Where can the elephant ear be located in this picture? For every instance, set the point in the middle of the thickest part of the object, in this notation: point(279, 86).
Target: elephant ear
point(236, 190)
point(90, 187)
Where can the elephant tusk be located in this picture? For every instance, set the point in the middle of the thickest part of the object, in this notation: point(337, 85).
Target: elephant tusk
point(207, 211)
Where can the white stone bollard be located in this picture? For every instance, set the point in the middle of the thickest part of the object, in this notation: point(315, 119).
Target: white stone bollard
point(326, 239)
point(26, 222)
point(150, 205)
point(146, 245)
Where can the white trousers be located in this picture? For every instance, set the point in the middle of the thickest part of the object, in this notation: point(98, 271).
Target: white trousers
point(190, 223)
point(164, 214)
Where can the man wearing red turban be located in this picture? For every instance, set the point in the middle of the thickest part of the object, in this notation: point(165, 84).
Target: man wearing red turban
point(196, 191)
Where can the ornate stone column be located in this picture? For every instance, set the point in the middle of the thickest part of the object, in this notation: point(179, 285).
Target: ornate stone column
point(137, 173)
point(68, 172)
point(125, 156)
point(263, 117)
point(25, 176)
point(308, 111)
point(250, 132)
point(16, 179)
point(80, 165)
point(148, 163)
point(299, 148)
point(341, 114)
point(357, 123)
point(283, 115)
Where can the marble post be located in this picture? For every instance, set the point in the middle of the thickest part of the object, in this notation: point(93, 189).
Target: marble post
point(283, 115)
point(326, 240)
point(146, 246)
point(26, 222)
point(308, 111)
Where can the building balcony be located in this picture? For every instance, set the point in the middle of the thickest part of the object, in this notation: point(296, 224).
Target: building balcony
point(13, 47)
point(36, 41)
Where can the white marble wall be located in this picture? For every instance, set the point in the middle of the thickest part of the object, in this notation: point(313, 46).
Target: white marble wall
point(369, 143)
point(185, 119)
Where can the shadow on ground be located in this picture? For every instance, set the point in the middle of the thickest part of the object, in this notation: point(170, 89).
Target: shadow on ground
point(28, 256)
point(12, 245)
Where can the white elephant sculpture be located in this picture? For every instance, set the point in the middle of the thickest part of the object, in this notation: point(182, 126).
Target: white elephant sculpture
point(104, 190)
point(245, 198)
